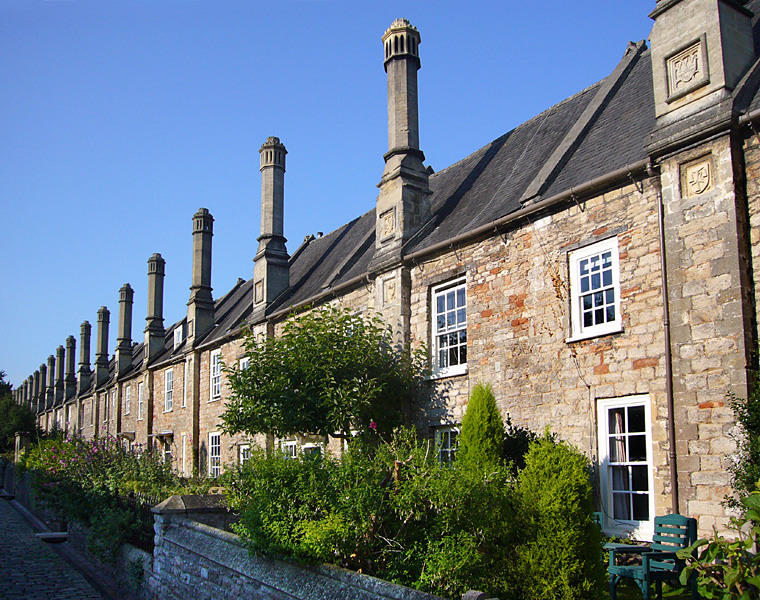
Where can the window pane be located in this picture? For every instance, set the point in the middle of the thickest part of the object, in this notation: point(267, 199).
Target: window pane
point(453, 356)
point(587, 302)
point(599, 315)
point(441, 304)
point(596, 281)
point(583, 265)
point(609, 296)
point(640, 479)
point(640, 507)
point(621, 507)
point(442, 359)
point(637, 445)
point(460, 297)
point(450, 320)
point(636, 422)
point(463, 354)
point(461, 317)
point(610, 313)
point(598, 299)
point(607, 277)
point(620, 479)
point(588, 319)
point(441, 323)
point(584, 285)
point(450, 301)
point(462, 336)
point(617, 449)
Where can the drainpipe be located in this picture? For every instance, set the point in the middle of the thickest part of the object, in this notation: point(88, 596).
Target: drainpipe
point(672, 454)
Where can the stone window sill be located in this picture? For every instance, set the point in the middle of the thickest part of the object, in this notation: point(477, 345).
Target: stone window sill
point(591, 336)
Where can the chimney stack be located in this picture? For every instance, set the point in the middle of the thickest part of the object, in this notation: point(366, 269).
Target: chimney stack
point(60, 357)
point(101, 349)
point(71, 378)
point(36, 396)
point(50, 397)
point(43, 389)
point(271, 275)
point(123, 357)
point(403, 204)
point(200, 313)
point(85, 373)
point(154, 330)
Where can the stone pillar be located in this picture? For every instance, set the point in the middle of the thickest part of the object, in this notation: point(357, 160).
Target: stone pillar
point(50, 398)
point(200, 313)
point(271, 275)
point(403, 204)
point(70, 378)
point(60, 358)
point(85, 373)
point(101, 349)
point(123, 355)
point(154, 329)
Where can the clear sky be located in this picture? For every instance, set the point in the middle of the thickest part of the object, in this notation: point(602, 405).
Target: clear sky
point(119, 119)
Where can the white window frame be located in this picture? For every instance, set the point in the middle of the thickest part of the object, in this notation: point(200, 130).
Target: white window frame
point(244, 453)
point(169, 389)
point(167, 451)
point(127, 398)
point(577, 258)
point(443, 443)
point(309, 448)
point(113, 404)
point(179, 335)
point(244, 362)
point(641, 529)
point(214, 454)
point(289, 449)
point(105, 407)
point(440, 292)
point(92, 411)
point(215, 375)
point(140, 400)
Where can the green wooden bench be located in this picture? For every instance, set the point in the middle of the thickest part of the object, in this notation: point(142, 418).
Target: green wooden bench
point(658, 561)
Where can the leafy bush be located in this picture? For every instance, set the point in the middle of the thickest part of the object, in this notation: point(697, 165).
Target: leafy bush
point(745, 472)
point(561, 557)
point(481, 439)
point(728, 569)
point(109, 531)
point(517, 441)
point(391, 510)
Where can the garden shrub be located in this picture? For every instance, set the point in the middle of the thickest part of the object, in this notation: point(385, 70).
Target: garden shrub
point(745, 471)
point(561, 557)
point(110, 529)
point(391, 510)
point(481, 439)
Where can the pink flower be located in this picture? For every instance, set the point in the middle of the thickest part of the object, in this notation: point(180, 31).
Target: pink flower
point(372, 425)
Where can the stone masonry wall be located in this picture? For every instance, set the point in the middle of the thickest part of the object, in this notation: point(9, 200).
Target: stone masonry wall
point(709, 319)
point(192, 560)
point(518, 323)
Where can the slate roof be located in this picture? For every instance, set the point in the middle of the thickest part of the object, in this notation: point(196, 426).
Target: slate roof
point(479, 189)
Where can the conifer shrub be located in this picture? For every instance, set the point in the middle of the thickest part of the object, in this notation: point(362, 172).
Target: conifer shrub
point(481, 439)
point(561, 557)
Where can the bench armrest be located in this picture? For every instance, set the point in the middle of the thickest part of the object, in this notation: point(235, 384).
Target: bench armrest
point(615, 549)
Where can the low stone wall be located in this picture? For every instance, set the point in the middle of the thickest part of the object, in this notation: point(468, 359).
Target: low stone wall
point(194, 560)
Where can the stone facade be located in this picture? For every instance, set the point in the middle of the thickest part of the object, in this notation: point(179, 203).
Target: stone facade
point(539, 255)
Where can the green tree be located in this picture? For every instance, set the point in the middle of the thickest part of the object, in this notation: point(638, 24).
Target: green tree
point(329, 372)
point(14, 418)
point(482, 437)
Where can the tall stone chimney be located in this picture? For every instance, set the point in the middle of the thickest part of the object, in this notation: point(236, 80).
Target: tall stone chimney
point(200, 311)
point(101, 349)
point(36, 393)
point(271, 274)
point(43, 389)
point(50, 397)
point(70, 377)
point(123, 355)
point(85, 373)
point(60, 362)
point(154, 329)
point(403, 204)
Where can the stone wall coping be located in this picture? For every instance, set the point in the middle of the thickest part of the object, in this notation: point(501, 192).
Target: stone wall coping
point(192, 503)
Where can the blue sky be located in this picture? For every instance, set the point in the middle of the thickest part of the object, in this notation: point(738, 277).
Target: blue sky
point(118, 120)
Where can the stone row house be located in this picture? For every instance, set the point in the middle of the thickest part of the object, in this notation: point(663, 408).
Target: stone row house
point(595, 265)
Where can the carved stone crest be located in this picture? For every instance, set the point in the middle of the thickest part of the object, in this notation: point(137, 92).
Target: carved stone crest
point(696, 177)
point(389, 290)
point(687, 70)
point(258, 292)
point(388, 220)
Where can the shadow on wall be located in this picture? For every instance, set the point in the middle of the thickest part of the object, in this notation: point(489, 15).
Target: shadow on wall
point(202, 460)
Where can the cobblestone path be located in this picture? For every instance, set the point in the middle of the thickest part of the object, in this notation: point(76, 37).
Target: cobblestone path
point(31, 569)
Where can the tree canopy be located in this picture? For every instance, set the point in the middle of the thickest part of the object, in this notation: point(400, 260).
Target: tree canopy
point(14, 418)
point(329, 372)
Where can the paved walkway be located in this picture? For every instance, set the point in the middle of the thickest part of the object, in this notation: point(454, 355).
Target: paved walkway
point(31, 569)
